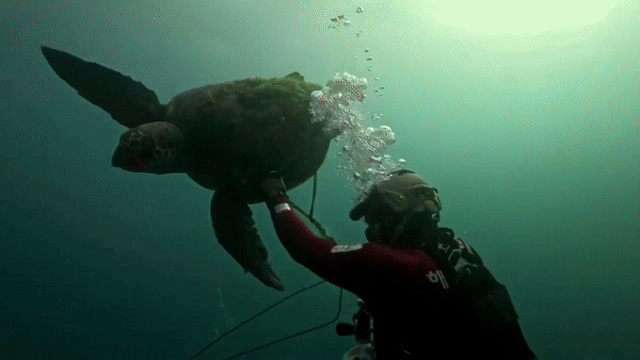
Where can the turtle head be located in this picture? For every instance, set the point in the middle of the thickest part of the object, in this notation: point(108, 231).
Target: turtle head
point(156, 147)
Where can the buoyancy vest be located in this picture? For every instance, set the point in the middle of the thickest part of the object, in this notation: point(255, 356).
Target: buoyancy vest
point(472, 285)
point(492, 318)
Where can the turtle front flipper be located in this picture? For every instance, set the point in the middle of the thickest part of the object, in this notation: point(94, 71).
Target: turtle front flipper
point(129, 102)
point(235, 230)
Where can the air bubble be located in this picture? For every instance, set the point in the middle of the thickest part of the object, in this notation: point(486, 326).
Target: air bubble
point(362, 158)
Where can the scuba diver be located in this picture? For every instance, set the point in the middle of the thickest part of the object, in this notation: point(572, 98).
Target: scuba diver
point(425, 294)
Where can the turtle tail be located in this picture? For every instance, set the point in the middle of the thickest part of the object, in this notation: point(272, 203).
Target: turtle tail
point(129, 102)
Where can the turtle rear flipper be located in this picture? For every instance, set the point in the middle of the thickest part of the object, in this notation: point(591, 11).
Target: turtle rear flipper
point(129, 102)
point(235, 230)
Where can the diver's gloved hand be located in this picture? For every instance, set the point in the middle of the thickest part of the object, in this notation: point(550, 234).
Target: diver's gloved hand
point(272, 185)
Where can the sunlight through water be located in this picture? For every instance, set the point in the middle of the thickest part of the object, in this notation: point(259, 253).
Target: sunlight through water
point(520, 17)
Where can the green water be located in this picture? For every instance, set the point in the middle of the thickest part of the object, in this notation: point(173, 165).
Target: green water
point(532, 140)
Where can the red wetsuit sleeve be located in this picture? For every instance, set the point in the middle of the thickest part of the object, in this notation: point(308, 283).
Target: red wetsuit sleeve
point(358, 268)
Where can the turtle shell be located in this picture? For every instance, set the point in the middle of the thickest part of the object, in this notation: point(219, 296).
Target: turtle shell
point(238, 131)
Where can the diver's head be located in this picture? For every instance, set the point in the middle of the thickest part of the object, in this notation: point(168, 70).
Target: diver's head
point(400, 211)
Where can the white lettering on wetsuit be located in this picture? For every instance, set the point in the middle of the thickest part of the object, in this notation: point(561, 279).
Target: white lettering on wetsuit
point(345, 248)
point(281, 207)
point(438, 276)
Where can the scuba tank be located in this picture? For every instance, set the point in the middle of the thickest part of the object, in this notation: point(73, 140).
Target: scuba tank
point(359, 352)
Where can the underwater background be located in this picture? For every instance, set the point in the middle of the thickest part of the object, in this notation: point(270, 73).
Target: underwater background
point(532, 138)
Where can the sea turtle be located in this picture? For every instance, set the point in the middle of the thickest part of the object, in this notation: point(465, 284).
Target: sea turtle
point(222, 136)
